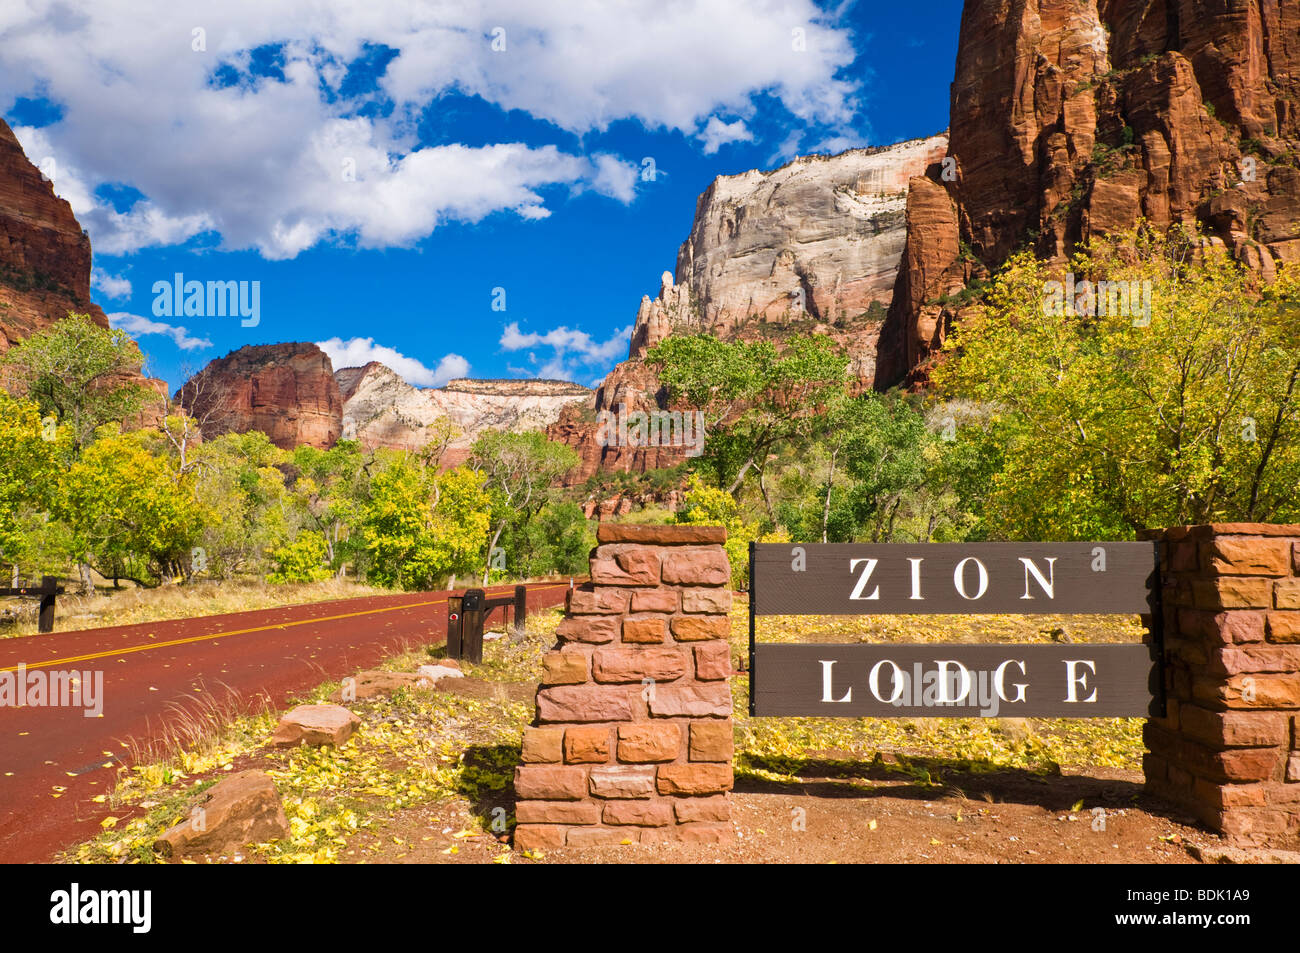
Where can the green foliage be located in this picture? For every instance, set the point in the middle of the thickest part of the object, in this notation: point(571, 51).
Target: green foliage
point(129, 516)
point(755, 399)
point(558, 539)
point(75, 371)
point(518, 470)
point(419, 528)
point(704, 505)
point(244, 507)
point(1111, 423)
point(29, 475)
point(300, 560)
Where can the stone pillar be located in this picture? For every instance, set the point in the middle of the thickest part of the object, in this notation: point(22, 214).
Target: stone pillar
point(1226, 752)
point(633, 737)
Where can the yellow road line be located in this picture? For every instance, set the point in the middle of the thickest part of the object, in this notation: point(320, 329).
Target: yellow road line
point(222, 635)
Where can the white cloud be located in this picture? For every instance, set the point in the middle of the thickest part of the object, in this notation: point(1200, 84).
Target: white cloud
point(570, 349)
point(265, 164)
point(137, 326)
point(357, 352)
point(717, 133)
point(111, 286)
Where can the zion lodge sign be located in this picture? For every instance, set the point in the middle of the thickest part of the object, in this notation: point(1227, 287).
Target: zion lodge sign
point(987, 680)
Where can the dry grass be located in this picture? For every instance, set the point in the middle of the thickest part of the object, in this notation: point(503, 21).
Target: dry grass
point(129, 606)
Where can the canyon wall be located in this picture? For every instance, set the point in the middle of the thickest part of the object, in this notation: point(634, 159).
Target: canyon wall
point(1072, 118)
point(811, 247)
point(287, 391)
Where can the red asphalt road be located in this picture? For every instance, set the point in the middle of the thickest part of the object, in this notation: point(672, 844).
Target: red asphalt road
point(150, 669)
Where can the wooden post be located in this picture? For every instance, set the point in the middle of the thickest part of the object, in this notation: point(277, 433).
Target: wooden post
point(521, 609)
point(455, 622)
point(46, 621)
point(472, 611)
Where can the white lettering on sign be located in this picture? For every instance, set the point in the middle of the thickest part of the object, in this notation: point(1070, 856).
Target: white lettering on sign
point(959, 578)
point(1048, 584)
point(1075, 681)
point(916, 576)
point(944, 678)
point(899, 687)
point(999, 679)
point(827, 676)
point(864, 578)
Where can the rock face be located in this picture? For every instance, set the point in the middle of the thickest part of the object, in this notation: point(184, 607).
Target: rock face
point(1071, 118)
point(45, 263)
point(44, 254)
point(287, 391)
point(813, 246)
point(381, 410)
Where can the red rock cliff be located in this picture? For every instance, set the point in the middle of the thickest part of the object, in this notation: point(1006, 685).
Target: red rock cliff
point(1071, 118)
point(287, 391)
point(44, 255)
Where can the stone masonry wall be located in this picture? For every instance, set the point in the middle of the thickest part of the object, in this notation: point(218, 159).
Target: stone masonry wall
point(1227, 750)
point(633, 735)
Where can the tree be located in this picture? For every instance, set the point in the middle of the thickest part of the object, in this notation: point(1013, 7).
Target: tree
point(244, 509)
point(330, 486)
point(411, 541)
point(1179, 408)
point(754, 399)
point(130, 517)
point(29, 474)
point(83, 375)
point(518, 470)
point(558, 538)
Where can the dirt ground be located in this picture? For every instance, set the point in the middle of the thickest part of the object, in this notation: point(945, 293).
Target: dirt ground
point(996, 819)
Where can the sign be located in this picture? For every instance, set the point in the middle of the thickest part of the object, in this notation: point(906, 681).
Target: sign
point(953, 578)
point(955, 681)
point(985, 680)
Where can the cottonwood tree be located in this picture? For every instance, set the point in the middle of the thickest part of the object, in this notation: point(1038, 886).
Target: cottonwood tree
point(83, 375)
point(1117, 420)
point(518, 470)
point(756, 399)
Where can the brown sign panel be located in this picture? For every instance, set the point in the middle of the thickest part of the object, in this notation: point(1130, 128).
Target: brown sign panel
point(953, 681)
point(957, 578)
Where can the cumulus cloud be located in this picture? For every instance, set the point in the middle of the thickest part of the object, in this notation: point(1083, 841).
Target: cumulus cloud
point(110, 286)
point(717, 133)
point(357, 352)
point(137, 326)
point(281, 162)
point(570, 349)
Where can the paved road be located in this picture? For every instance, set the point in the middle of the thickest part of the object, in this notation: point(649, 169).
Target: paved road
point(151, 673)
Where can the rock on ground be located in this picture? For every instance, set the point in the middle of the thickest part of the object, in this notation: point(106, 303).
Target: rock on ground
point(239, 810)
point(315, 725)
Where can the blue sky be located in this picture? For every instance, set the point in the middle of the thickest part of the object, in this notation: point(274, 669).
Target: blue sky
point(381, 172)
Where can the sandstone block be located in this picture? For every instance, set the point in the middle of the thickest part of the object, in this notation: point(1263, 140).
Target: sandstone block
point(315, 725)
point(632, 665)
point(623, 781)
point(586, 744)
point(584, 703)
point(672, 701)
point(711, 741)
point(536, 782)
point(691, 566)
point(647, 743)
point(694, 778)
